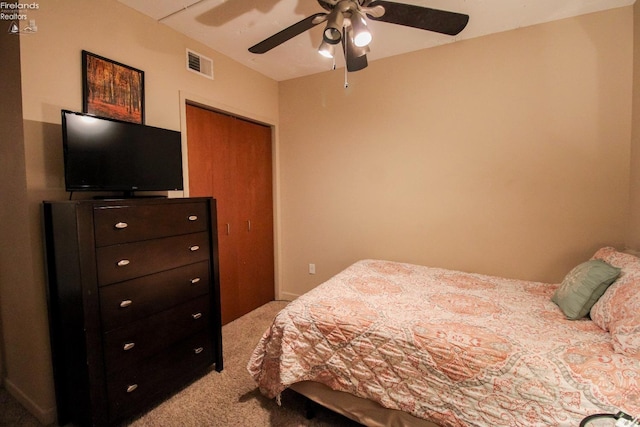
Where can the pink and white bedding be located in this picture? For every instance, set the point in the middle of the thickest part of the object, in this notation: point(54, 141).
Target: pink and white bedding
point(455, 348)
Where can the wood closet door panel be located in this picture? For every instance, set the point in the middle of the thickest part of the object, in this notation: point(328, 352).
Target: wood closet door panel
point(230, 159)
point(256, 254)
point(212, 166)
point(201, 139)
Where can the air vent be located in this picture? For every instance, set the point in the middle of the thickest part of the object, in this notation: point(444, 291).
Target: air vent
point(199, 64)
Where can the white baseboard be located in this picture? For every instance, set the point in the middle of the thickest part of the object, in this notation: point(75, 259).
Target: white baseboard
point(46, 416)
point(287, 296)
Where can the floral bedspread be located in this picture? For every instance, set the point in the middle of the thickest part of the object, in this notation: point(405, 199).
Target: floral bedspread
point(455, 348)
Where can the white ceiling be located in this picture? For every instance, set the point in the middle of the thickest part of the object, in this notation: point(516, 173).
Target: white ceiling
point(232, 26)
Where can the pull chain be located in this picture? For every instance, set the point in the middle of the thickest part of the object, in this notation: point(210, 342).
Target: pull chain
point(346, 81)
point(346, 60)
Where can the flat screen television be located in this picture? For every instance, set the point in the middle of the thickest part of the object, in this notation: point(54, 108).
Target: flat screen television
point(103, 154)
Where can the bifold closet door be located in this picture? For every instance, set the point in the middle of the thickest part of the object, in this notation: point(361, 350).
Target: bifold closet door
point(255, 246)
point(230, 160)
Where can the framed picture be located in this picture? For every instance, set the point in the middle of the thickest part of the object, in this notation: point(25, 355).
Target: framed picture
point(111, 89)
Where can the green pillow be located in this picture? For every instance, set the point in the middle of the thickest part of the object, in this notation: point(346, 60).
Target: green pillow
point(582, 287)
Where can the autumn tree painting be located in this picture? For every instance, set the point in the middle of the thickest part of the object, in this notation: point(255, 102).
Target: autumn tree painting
point(112, 89)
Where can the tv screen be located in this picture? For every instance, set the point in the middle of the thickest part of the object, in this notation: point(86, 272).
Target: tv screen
point(102, 154)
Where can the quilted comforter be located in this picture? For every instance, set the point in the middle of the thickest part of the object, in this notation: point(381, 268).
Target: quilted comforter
point(455, 348)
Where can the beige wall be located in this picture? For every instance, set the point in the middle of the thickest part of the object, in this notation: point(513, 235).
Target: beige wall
point(12, 188)
point(506, 154)
point(52, 80)
point(634, 193)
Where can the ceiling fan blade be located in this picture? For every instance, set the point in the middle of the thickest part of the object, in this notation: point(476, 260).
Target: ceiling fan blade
point(356, 58)
point(288, 33)
point(439, 21)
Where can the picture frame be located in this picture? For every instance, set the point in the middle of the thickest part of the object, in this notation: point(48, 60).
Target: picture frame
point(112, 89)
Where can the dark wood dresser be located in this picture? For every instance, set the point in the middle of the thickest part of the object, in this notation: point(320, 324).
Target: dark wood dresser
point(134, 302)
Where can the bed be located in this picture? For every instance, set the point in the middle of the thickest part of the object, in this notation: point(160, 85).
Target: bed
point(429, 346)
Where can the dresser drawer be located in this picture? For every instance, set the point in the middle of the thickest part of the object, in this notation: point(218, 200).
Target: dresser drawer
point(142, 384)
point(126, 346)
point(125, 302)
point(123, 224)
point(117, 263)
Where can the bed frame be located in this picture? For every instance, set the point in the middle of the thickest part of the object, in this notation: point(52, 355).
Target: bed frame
point(366, 412)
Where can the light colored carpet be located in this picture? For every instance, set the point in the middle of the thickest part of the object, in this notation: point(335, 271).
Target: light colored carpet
point(13, 414)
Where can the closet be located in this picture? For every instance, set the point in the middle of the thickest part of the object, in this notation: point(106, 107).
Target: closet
point(230, 160)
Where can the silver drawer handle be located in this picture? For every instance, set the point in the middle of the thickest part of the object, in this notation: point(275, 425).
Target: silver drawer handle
point(121, 225)
point(194, 248)
point(198, 350)
point(123, 262)
point(128, 346)
point(131, 388)
point(125, 303)
point(195, 280)
point(196, 315)
point(193, 217)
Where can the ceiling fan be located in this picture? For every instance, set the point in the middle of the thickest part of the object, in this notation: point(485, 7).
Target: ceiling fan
point(346, 24)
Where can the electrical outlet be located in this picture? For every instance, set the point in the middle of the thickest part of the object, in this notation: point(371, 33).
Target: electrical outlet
point(312, 269)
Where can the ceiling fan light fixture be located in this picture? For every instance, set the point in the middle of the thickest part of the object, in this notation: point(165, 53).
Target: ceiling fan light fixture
point(333, 31)
point(331, 36)
point(351, 49)
point(327, 50)
point(361, 34)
